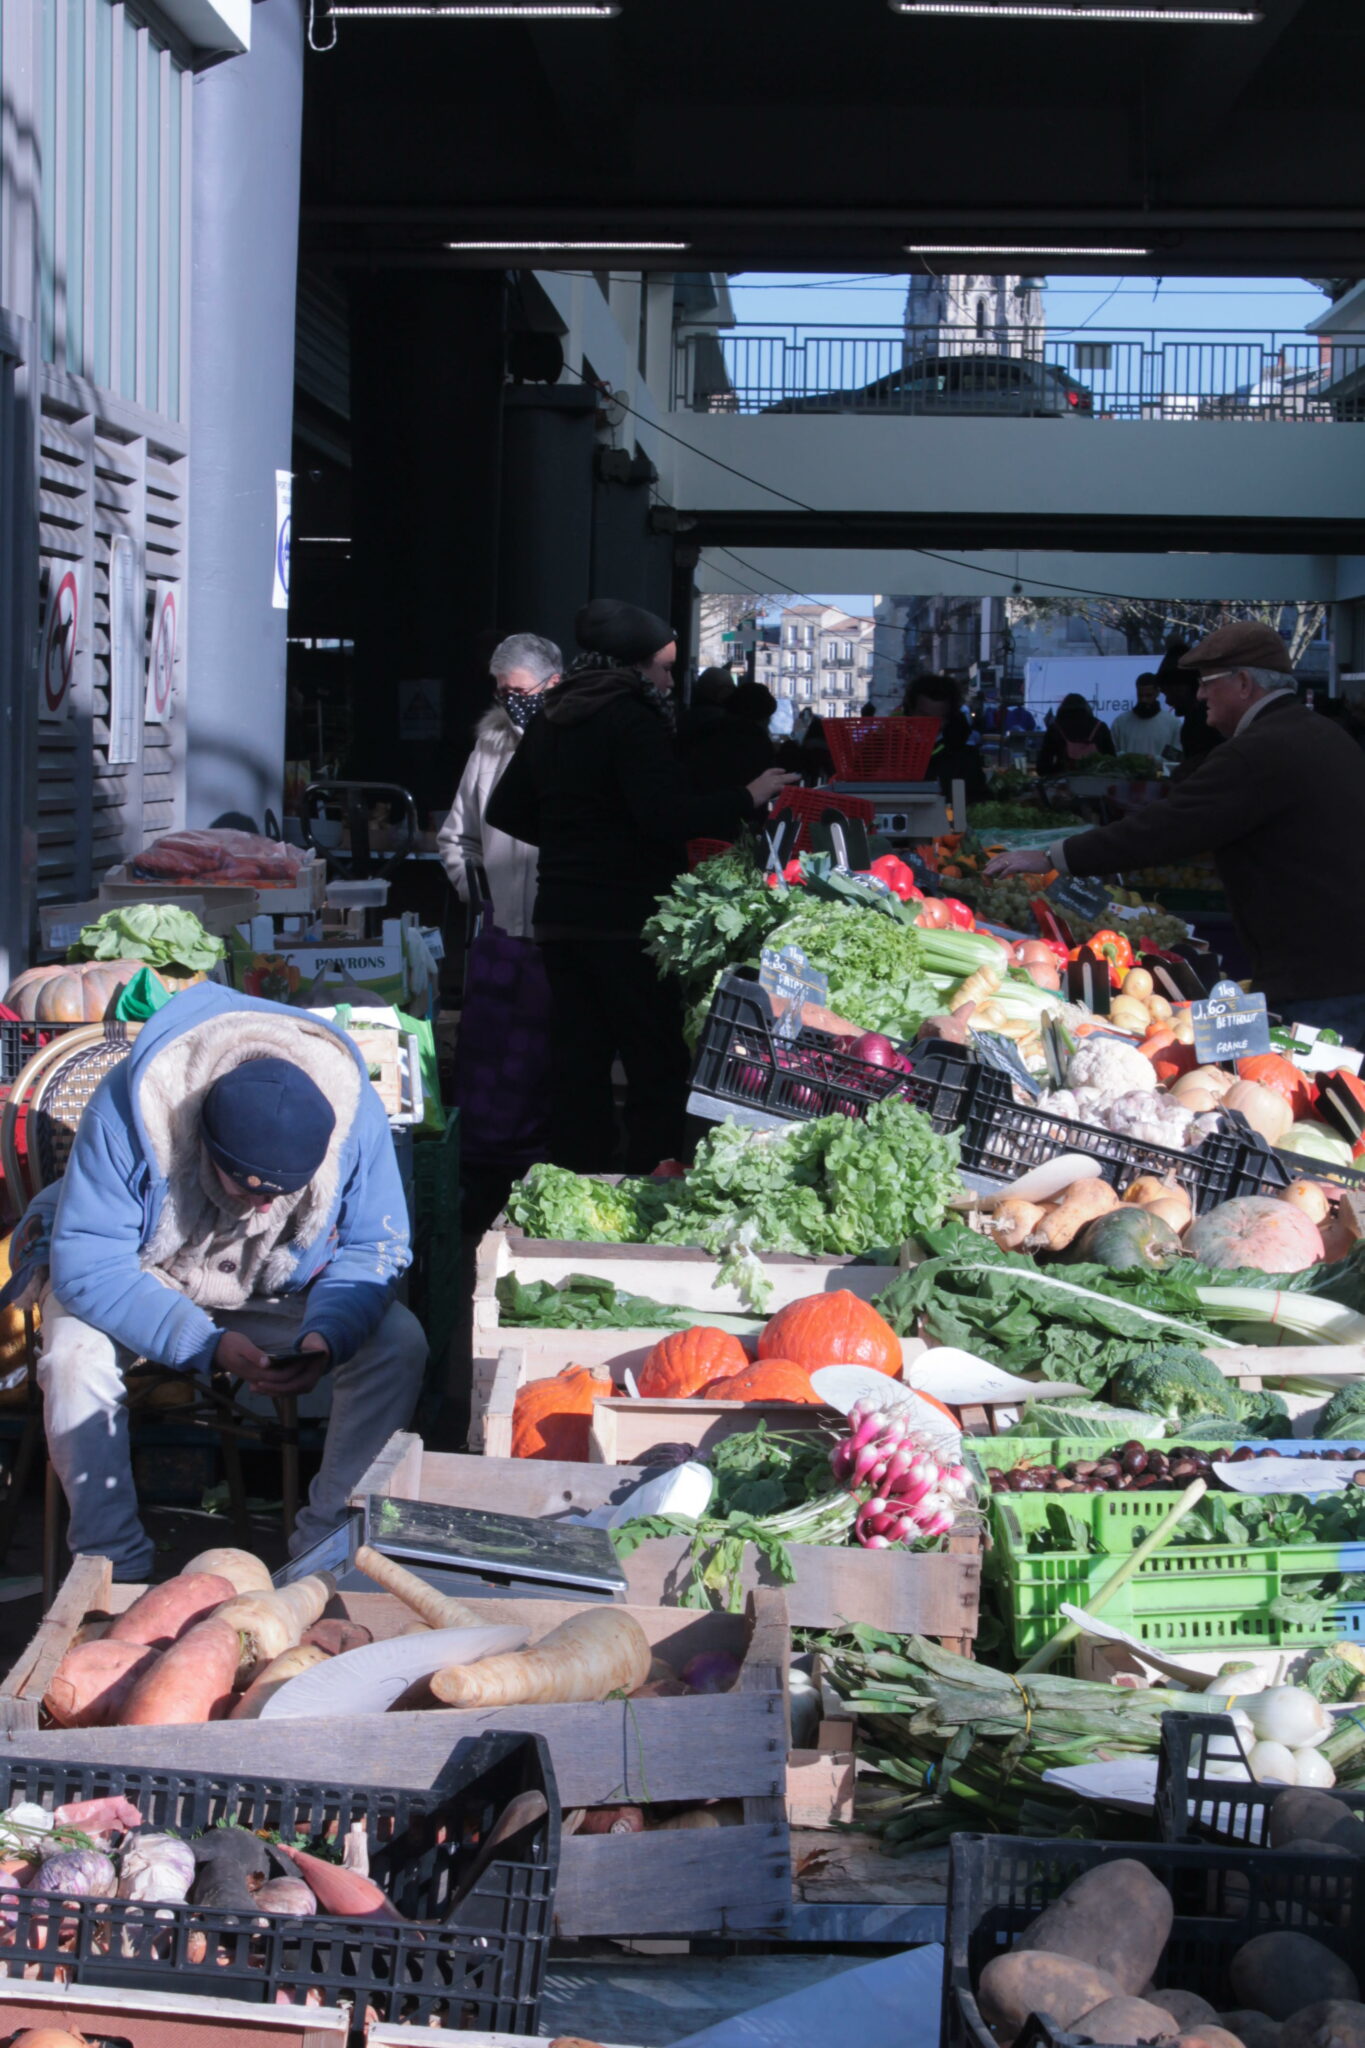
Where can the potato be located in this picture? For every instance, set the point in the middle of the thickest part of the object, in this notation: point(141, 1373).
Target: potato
point(1117, 1918)
point(1299, 1814)
point(1331, 2023)
point(1015, 1985)
point(1252, 2029)
point(1279, 1974)
point(1187, 2008)
point(1126, 2021)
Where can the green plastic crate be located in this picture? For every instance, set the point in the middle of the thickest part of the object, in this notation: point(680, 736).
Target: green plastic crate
point(1202, 1595)
point(434, 1289)
point(985, 1454)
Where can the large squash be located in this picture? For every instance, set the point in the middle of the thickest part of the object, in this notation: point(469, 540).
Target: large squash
point(771, 1379)
point(682, 1364)
point(552, 1418)
point(78, 992)
point(1265, 1109)
point(1273, 1070)
point(1255, 1231)
point(832, 1329)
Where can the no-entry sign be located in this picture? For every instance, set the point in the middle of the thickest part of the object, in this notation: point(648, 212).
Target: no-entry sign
point(166, 628)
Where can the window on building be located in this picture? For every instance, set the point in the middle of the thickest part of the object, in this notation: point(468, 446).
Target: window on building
point(806, 686)
point(807, 659)
point(981, 318)
point(789, 636)
point(846, 653)
point(808, 636)
point(789, 660)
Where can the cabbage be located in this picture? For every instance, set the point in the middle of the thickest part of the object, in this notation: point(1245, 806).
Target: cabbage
point(1315, 1141)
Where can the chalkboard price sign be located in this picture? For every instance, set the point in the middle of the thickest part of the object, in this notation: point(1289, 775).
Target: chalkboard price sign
point(789, 981)
point(1229, 1024)
point(1084, 894)
point(1004, 1055)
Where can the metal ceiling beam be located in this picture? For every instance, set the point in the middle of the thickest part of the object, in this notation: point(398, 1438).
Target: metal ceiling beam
point(1197, 97)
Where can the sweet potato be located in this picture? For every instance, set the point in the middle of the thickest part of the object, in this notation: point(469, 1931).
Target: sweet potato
point(1125, 2021)
point(1331, 2023)
point(90, 1685)
point(1187, 2009)
point(1281, 1973)
point(162, 1614)
point(1299, 1814)
point(1013, 1986)
point(192, 1681)
point(1117, 1917)
point(1252, 2029)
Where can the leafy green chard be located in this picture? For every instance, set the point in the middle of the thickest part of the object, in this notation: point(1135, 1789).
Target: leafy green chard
point(581, 1302)
point(714, 918)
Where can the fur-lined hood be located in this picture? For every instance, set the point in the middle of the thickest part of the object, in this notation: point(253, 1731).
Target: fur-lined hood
point(168, 1089)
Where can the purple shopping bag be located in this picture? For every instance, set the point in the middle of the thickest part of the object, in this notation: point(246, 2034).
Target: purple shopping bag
point(502, 1055)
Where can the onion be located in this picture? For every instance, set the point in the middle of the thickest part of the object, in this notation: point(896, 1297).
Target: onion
point(1289, 1715)
point(1272, 1763)
point(1314, 1769)
point(875, 1049)
point(710, 1671)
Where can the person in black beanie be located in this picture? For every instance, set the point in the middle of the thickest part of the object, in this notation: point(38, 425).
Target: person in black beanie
point(597, 787)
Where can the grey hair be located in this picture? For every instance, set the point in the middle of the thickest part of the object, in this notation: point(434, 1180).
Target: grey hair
point(529, 651)
point(1270, 678)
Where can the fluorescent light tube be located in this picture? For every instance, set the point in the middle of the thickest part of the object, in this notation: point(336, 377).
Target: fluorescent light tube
point(485, 10)
point(578, 248)
point(1083, 10)
point(1013, 249)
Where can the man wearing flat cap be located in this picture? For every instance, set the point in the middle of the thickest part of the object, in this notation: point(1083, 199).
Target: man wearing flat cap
point(1280, 808)
point(232, 1196)
point(596, 785)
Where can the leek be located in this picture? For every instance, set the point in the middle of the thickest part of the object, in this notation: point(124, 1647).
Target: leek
point(1302, 1315)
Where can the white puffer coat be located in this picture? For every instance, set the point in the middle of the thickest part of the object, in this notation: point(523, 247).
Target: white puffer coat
point(509, 863)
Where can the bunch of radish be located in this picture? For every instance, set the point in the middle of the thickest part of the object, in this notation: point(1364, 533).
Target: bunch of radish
point(908, 1486)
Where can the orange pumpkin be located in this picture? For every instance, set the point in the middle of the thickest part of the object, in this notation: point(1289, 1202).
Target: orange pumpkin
point(1273, 1070)
point(771, 1379)
point(682, 1364)
point(832, 1329)
point(77, 992)
point(551, 1418)
point(1168, 1056)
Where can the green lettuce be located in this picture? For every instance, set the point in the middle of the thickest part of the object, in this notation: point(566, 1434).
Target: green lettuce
point(871, 962)
point(552, 1202)
point(159, 934)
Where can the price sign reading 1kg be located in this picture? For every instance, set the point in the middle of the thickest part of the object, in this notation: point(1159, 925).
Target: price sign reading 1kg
point(1229, 1024)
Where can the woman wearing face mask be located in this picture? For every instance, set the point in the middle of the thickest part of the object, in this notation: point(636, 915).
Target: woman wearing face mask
point(598, 787)
point(524, 666)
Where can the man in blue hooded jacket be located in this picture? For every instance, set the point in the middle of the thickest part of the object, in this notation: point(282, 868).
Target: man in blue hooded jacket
point(232, 1193)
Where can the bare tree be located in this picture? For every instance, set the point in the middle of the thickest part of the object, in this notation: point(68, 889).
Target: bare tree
point(1148, 627)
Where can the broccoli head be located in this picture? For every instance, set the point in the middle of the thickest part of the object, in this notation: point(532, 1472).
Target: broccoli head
point(1344, 1414)
point(1175, 1383)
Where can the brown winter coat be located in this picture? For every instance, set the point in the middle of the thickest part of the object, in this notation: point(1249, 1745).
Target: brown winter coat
point(1281, 809)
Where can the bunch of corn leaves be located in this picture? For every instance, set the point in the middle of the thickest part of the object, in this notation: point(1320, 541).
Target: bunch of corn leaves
point(959, 1745)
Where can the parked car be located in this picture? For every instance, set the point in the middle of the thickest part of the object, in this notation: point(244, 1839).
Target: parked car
point(987, 384)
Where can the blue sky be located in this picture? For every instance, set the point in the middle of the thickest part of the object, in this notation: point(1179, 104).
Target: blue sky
point(1199, 304)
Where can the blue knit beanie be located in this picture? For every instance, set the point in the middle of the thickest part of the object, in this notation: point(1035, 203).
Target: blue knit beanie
point(267, 1126)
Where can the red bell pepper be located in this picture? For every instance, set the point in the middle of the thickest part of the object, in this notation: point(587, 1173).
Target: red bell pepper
point(899, 878)
point(791, 874)
point(960, 915)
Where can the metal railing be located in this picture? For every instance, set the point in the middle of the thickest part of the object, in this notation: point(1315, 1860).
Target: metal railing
point(1095, 373)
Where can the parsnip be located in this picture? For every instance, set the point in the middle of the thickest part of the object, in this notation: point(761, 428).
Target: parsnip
point(277, 1672)
point(438, 1610)
point(271, 1623)
point(588, 1657)
point(242, 1571)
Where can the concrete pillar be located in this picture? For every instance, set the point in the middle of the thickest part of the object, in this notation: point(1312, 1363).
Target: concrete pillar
point(659, 337)
point(546, 560)
point(426, 412)
point(247, 128)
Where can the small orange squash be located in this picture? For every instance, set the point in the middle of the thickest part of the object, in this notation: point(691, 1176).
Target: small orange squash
point(771, 1379)
point(682, 1364)
point(832, 1329)
point(552, 1418)
point(71, 992)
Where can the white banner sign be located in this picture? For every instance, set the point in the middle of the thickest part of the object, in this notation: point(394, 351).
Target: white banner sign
point(61, 630)
point(284, 496)
point(127, 640)
point(167, 624)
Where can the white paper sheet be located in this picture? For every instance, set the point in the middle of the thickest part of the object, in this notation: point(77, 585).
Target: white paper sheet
point(1286, 1475)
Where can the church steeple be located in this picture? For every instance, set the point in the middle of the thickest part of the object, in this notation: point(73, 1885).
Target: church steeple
point(960, 315)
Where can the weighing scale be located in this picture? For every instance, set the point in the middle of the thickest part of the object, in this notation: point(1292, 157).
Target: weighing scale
point(901, 810)
point(470, 1549)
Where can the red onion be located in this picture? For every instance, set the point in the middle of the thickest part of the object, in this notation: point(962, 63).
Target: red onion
point(875, 1049)
point(710, 1671)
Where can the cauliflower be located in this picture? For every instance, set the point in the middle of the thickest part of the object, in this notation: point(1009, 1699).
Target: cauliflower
point(1110, 1068)
point(1147, 1114)
point(1077, 1105)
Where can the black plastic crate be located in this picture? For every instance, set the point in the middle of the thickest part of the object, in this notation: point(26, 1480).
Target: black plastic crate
point(1004, 1138)
point(20, 1041)
point(1193, 1807)
point(997, 1884)
point(743, 1069)
point(482, 1970)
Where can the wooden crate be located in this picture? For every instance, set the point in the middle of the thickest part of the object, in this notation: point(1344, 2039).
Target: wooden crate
point(724, 1746)
point(438, 2037)
point(169, 2019)
point(820, 1781)
point(935, 1594)
point(678, 1274)
point(523, 1355)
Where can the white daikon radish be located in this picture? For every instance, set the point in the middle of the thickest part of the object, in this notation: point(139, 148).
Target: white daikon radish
point(1042, 1183)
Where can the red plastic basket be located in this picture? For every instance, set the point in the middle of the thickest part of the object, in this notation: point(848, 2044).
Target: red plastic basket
point(881, 749)
point(810, 806)
point(699, 850)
